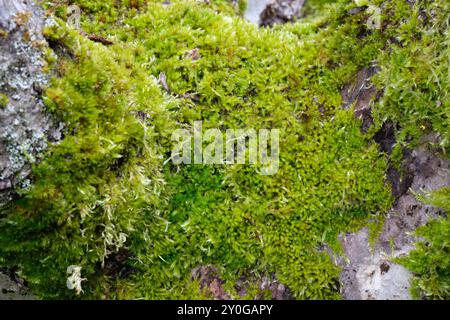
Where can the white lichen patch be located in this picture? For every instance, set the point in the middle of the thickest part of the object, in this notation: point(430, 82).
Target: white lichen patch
point(25, 128)
point(74, 280)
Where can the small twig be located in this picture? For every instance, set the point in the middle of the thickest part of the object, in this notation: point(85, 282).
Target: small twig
point(100, 39)
point(96, 38)
point(163, 82)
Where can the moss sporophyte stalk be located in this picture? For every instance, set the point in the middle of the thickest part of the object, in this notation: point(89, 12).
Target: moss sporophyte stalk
point(242, 163)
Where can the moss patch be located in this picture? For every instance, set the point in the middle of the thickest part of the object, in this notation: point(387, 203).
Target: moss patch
point(4, 100)
point(106, 188)
point(430, 261)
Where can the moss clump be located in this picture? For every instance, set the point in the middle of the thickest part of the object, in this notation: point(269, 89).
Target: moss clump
point(4, 100)
point(106, 189)
point(92, 192)
point(375, 229)
point(415, 71)
point(430, 261)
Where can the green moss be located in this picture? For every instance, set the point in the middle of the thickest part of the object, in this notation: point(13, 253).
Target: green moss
point(315, 7)
point(415, 71)
point(106, 187)
point(439, 198)
point(430, 261)
point(94, 186)
point(375, 229)
point(4, 100)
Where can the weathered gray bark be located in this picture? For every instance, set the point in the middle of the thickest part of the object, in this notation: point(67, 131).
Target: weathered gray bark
point(270, 12)
point(25, 128)
point(281, 11)
point(254, 9)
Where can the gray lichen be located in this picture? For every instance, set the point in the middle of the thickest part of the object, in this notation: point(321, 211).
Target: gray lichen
point(25, 128)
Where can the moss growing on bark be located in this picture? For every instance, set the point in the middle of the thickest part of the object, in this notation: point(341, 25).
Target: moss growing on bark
point(106, 200)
